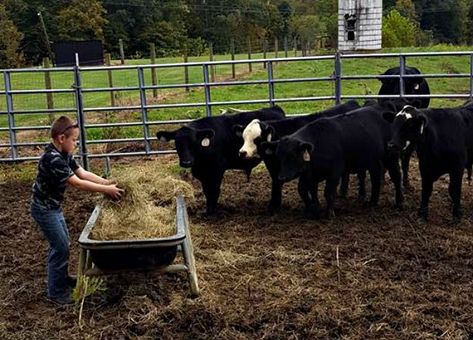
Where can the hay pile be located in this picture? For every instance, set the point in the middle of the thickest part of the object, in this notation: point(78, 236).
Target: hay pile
point(146, 210)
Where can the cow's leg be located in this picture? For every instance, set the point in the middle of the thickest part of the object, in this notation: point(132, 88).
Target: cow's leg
point(405, 159)
point(211, 188)
point(395, 174)
point(454, 189)
point(361, 186)
point(344, 184)
point(427, 185)
point(375, 175)
point(330, 193)
point(308, 193)
point(276, 187)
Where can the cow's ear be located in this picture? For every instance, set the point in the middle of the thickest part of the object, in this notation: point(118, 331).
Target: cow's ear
point(205, 136)
point(267, 131)
point(424, 121)
point(306, 149)
point(269, 148)
point(238, 130)
point(166, 136)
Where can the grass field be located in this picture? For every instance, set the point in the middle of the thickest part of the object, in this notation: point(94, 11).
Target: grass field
point(175, 75)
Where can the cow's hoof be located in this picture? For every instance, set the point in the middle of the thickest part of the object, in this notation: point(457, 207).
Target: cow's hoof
point(273, 209)
point(313, 214)
point(423, 215)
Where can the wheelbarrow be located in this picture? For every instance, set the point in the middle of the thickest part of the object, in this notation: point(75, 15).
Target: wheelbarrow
point(99, 257)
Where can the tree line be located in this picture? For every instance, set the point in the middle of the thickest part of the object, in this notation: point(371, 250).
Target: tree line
point(175, 26)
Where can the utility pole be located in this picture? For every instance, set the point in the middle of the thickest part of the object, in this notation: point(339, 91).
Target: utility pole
point(48, 44)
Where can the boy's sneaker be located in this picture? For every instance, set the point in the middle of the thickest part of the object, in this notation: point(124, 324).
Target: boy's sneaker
point(71, 281)
point(66, 300)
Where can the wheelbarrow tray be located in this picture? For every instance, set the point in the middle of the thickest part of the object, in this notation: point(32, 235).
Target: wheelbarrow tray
point(115, 255)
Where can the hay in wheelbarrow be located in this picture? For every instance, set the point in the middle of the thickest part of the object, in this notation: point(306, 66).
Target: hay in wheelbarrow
point(146, 209)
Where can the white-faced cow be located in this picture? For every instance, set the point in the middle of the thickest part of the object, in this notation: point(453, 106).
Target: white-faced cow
point(414, 85)
point(271, 130)
point(326, 149)
point(444, 139)
point(209, 146)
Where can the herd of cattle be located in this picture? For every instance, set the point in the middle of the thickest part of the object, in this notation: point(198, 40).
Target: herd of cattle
point(334, 143)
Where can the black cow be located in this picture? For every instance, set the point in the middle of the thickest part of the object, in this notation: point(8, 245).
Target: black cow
point(444, 139)
point(209, 146)
point(324, 150)
point(258, 131)
point(417, 85)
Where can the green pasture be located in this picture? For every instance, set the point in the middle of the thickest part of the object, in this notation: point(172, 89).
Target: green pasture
point(175, 75)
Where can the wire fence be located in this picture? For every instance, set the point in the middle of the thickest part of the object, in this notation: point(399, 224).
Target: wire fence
point(116, 118)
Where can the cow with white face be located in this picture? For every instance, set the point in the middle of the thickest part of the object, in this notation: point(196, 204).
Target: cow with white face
point(259, 131)
point(444, 139)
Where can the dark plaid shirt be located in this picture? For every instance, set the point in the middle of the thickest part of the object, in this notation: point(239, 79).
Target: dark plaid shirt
point(54, 169)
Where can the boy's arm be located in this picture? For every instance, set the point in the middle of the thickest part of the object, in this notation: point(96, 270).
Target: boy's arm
point(84, 184)
point(90, 176)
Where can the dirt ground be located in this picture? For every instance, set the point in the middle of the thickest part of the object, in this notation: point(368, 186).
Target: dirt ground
point(366, 274)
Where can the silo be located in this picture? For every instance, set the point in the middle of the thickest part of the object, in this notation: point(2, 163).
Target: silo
point(359, 24)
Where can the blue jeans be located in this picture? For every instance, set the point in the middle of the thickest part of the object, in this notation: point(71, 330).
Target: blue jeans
point(54, 228)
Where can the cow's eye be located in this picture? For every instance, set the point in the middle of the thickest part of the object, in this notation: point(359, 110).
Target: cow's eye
point(257, 140)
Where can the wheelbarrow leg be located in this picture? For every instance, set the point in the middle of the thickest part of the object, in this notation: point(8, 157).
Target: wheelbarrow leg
point(188, 253)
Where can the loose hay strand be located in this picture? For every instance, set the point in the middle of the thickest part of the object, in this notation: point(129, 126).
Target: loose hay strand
point(147, 208)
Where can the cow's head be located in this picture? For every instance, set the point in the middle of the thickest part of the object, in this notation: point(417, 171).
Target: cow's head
point(253, 135)
point(293, 155)
point(190, 143)
point(412, 85)
point(408, 126)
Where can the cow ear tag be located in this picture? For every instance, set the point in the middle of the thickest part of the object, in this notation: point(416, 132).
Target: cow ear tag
point(205, 142)
point(416, 87)
point(306, 156)
point(422, 128)
point(269, 137)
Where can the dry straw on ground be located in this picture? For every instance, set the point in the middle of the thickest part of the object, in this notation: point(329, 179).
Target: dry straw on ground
point(146, 210)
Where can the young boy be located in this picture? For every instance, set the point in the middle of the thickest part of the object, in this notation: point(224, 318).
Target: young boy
point(56, 169)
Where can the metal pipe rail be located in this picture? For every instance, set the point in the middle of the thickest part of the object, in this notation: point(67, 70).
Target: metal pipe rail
point(80, 109)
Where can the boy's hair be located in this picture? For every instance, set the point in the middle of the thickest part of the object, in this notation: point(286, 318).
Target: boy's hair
point(62, 126)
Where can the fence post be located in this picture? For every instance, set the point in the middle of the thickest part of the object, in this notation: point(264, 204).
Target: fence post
point(48, 85)
point(295, 47)
point(80, 116)
point(154, 79)
point(144, 109)
point(270, 83)
point(211, 58)
point(265, 48)
point(285, 46)
point(276, 47)
point(208, 108)
point(186, 69)
point(108, 62)
point(471, 76)
point(11, 117)
point(232, 51)
point(250, 69)
point(122, 52)
point(338, 84)
point(402, 70)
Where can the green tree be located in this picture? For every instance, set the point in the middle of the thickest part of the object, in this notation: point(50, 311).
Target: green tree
point(307, 27)
point(398, 30)
point(10, 38)
point(407, 9)
point(81, 20)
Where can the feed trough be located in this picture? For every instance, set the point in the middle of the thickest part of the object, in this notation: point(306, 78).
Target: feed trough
point(100, 257)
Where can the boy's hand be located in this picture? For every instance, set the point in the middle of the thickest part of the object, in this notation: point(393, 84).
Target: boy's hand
point(114, 192)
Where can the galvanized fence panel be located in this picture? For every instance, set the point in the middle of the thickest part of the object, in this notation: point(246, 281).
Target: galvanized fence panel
point(82, 111)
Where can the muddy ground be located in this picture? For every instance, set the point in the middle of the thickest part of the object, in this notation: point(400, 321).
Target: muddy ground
point(261, 277)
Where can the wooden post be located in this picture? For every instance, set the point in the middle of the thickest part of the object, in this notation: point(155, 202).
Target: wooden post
point(265, 47)
point(276, 47)
point(108, 62)
point(122, 52)
point(232, 47)
point(285, 46)
point(295, 47)
point(48, 83)
point(186, 69)
point(250, 69)
point(154, 79)
point(211, 58)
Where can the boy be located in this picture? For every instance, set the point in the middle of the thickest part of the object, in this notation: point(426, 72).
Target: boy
point(57, 168)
